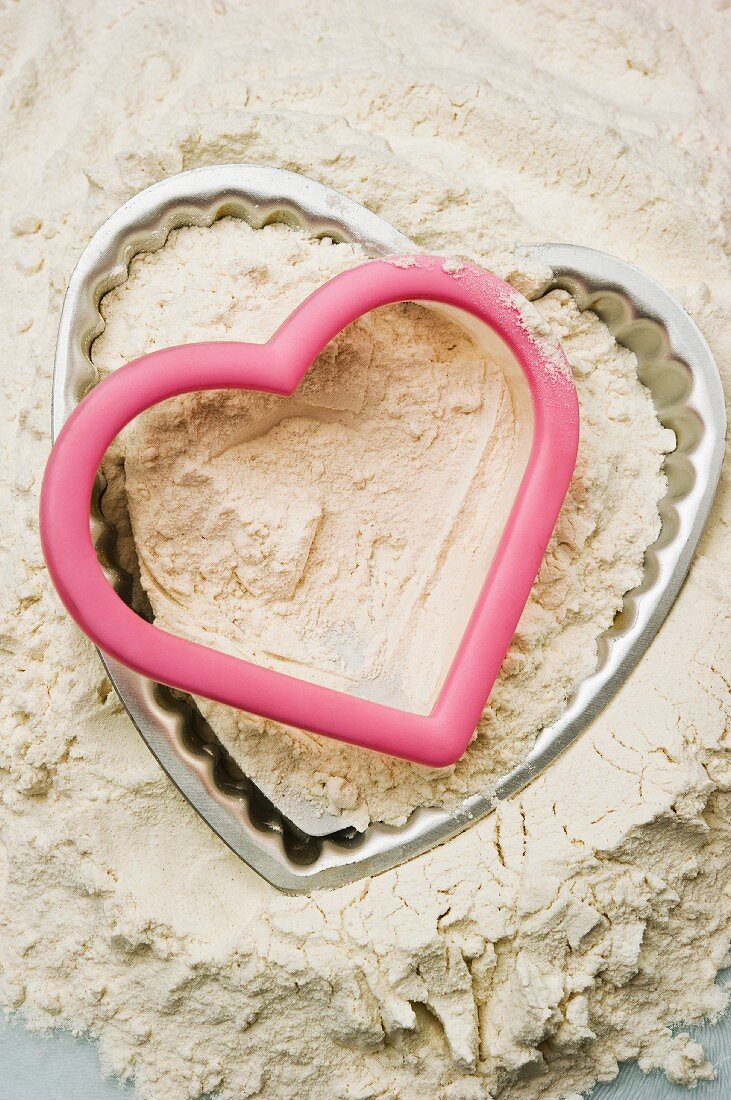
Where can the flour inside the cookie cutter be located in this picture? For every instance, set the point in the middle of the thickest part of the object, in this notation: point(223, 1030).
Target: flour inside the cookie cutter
point(488, 309)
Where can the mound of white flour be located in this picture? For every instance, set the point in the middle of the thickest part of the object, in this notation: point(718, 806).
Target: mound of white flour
point(337, 534)
point(569, 930)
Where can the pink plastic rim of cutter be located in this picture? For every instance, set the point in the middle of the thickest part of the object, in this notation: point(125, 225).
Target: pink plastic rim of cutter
point(437, 739)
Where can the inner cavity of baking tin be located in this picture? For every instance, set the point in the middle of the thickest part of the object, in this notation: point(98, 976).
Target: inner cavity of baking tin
point(342, 534)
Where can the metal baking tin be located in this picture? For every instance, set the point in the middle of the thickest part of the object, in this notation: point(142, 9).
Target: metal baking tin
point(674, 362)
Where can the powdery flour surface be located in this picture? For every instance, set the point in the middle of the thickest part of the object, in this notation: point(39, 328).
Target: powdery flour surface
point(525, 957)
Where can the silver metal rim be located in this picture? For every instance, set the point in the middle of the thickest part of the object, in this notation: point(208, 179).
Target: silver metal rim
point(675, 363)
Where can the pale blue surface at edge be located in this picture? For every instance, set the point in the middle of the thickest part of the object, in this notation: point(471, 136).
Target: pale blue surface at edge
point(52, 1066)
point(58, 1066)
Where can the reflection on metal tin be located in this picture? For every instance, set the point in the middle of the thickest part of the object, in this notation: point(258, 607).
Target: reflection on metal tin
point(291, 848)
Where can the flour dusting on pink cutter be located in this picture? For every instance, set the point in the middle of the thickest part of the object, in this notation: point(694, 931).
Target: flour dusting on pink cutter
point(436, 739)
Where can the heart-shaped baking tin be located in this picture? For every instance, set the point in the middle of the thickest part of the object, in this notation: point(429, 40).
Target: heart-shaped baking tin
point(674, 362)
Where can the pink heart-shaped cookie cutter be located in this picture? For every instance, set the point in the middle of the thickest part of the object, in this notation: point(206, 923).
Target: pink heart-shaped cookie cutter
point(436, 739)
